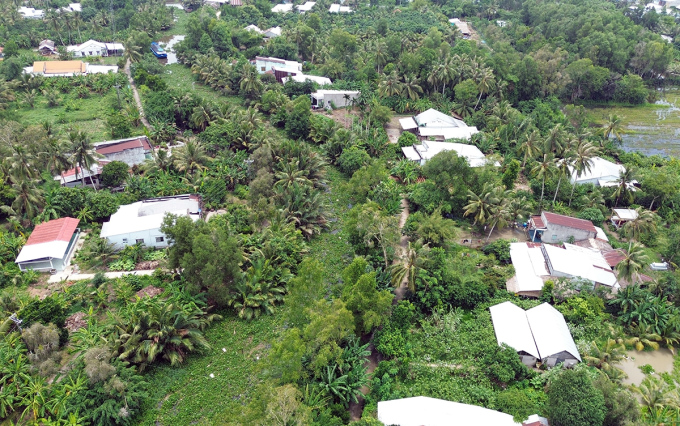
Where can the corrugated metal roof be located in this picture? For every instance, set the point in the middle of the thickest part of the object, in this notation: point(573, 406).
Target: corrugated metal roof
point(426, 411)
point(529, 265)
point(111, 147)
point(512, 328)
point(570, 222)
point(624, 214)
point(54, 230)
point(550, 331)
point(59, 67)
point(575, 261)
point(538, 222)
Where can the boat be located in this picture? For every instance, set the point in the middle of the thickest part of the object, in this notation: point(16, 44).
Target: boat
point(157, 50)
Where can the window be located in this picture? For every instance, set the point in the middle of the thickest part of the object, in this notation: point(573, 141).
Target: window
point(160, 239)
point(554, 237)
point(262, 68)
point(124, 240)
point(90, 53)
point(139, 241)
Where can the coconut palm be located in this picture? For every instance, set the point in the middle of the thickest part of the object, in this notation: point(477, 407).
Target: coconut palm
point(555, 140)
point(644, 222)
point(390, 85)
point(607, 355)
point(563, 169)
point(133, 50)
point(407, 270)
point(530, 147)
point(624, 188)
point(22, 164)
point(656, 394)
point(191, 157)
point(613, 127)
point(27, 202)
point(55, 156)
point(633, 262)
point(544, 169)
point(411, 88)
point(250, 83)
point(485, 84)
point(291, 175)
point(261, 289)
point(436, 230)
point(582, 161)
point(481, 205)
point(83, 155)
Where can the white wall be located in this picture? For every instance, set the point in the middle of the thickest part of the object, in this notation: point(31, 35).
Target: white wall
point(149, 237)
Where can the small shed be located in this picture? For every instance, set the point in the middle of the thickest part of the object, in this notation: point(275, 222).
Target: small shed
point(47, 47)
point(50, 245)
point(338, 98)
point(621, 216)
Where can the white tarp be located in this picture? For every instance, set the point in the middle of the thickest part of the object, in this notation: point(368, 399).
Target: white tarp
point(512, 328)
point(550, 331)
point(425, 411)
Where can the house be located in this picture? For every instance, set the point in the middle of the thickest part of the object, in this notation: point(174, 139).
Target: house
point(30, 13)
point(272, 32)
point(96, 48)
point(337, 98)
point(306, 7)
point(140, 222)
point(254, 28)
point(301, 78)
point(553, 228)
point(235, 3)
point(216, 3)
point(426, 411)
point(67, 68)
point(72, 7)
point(540, 333)
point(50, 245)
point(602, 173)
point(621, 216)
point(71, 179)
point(531, 271)
point(279, 67)
point(428, 149)
point(46, 47)
point(282, 8)
point(434, 124)
point(131, 151)
point(336, 8)
point(462, 27)
point(574, 261)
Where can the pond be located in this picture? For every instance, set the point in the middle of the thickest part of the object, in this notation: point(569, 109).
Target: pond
point(661, 361)
point(168, 43)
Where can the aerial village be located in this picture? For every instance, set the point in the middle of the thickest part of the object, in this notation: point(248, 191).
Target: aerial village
point(324, 213)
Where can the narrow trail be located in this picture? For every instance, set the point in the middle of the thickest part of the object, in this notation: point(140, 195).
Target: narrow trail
point(356, 409)
point(135, 94)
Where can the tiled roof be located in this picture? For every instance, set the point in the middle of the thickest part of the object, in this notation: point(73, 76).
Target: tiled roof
point(54, 230)
point(538, 222)
point(571, 222)
point(59, 67)
point(140, 142)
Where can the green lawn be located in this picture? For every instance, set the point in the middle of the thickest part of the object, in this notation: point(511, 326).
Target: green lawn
point(187, 395)
point(88, 115)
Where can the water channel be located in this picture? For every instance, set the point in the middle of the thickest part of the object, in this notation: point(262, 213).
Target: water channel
point(661, 361)
point(168, 44)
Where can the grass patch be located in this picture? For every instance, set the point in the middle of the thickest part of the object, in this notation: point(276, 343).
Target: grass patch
point(180, 76)
point(188, 395)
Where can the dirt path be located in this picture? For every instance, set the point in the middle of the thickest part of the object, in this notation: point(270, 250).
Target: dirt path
point(400, 291)
point(135, 94)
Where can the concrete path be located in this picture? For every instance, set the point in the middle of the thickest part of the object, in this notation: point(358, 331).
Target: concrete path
point(76, 277)
point(135, 95)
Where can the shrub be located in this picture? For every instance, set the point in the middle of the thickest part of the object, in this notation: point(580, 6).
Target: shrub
point(592, 214)
point(574, 401)
point(500, 249)
point(407, 139)
point(114, 173)
point(352, 159)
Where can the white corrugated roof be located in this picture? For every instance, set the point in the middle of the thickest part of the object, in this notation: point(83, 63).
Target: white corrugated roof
point(301, 78)
point(575, 261)
point(254, 28)
point(434, 118)
point(410, 153)
point(625, 214)
point(529, 265)
point(429, 149)
point(600, 169)
point(51, 249)
point(550, 331)
point(148, 215)
point(307, 6)
point(425, 411)
point(287, 7)
point(448, 132)
point(408, 123)
point(512, 328)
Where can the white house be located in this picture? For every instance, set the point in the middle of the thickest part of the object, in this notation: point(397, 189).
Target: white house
point(140, 222)
point(428, 149)
point(30, 13)
point(554, 228)
point(282, 8)
point(96, 48)
point(50, 245)
point(306, 7)
point(339, 98)
point(265, 64)
point(254, 28)
point(132, 151)
point(301, 78)
point(336, 8)
point(426, 411)
point(540, 333)
point(72, 7)
point(437, 125)
point(602, 173)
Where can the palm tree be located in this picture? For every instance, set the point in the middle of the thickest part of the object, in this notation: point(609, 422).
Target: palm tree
point(133, 50)
point(201, 116)
point(583, 161)
point(656, 394)
point(390, 85)
point(291, 175)
point(435, 229)
point(499, 212)
point(55, 156)
point(21, 164)
point(486, 83)
point(261, 289)
point(624, 187)
point(191, 157)
point(644, 222)
point(613, 127)
point(250, 83)
point(544, 169)
point(481, 205)
point(28, 200)
point(414, 259)
point(411, 88)
point(554, 142)
point(83, 155)
point(606, 356)
point(380, 54)
point(633, 262)
point(530, 147)
point(563, 169)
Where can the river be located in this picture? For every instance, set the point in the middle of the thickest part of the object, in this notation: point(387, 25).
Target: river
point(661, 361)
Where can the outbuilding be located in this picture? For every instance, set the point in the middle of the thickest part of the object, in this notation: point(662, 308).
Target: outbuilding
point(621, 216)
point(333, 98)
point(131, 151)
point(50, 246)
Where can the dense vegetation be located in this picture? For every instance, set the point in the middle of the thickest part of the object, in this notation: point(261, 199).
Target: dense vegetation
point(288, 290)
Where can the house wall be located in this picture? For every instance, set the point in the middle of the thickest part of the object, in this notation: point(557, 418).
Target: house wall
point(90, 51)
point(558, 233)
point(149, 236)
point(337, 99)
point(42, 265)
point(130, 157)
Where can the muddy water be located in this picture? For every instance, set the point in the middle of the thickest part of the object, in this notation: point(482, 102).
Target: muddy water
point(167, 45)
point(661, 360)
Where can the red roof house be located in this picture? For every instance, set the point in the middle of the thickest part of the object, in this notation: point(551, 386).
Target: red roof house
point(50, 245)
point(555, 228)
point(131, 151)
